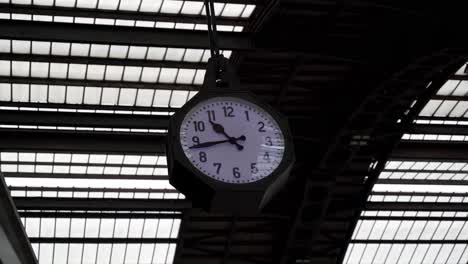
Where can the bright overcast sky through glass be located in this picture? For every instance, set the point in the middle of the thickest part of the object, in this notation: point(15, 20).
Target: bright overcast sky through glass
point(50, 76)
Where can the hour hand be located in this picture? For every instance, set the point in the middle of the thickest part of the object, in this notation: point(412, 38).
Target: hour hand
point(218, 128)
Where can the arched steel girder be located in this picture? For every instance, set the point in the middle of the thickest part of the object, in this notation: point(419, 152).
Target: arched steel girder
point(361, 149)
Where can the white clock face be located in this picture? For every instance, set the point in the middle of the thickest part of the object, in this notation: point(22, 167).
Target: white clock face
point(232, 140)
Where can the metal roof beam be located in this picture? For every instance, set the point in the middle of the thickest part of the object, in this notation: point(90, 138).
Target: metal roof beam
point(87, 107)
point(107, 215)
point(117, 14)
point(36, 118)
point(439, 129)
point(415, 206)
point(115, 84)
point(431, 151)
point(102, 61)
point(85, 142)
point(119, 35)
point(416, 241)
point(84, 176)
point(40, 203)
point(423, 182)
point(93, 240)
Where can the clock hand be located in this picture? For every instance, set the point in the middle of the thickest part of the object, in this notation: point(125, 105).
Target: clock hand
point(218, 128)
point(212, 143)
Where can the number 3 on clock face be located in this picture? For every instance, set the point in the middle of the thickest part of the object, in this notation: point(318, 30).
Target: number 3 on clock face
point(232, 140)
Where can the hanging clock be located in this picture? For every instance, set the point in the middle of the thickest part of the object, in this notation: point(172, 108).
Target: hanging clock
point(227, 151)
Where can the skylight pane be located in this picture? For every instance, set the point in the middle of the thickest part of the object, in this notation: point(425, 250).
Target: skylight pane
point(21, 46)
point(462, 89)
point(5, 67)
point(57, 94)
point(459, 109)
point(148, 24)
point(92, 95)
point(114, 73)
point(136, 52)
point(150, 74)
point(108, 4)
point(110, 96)
point(5, 46)
point(129, 5)
point(20, 68)
point(233, 10)
point(144, 97)
point(132, 73)
point(445, 108)
point(95, 72)
point(150, 6)
point(178, 98)
point(248, 11)
point(5, 92)
point(39, 69)
point(430, 108)
point(127, 97)
point(98, 50)
point(65, 3)
point(86, 3)
point(20, 92)
point(448, 87)
point(58, 70)
point(193, 55)
point(155, 53)
point(61, 49)
point(168, 75)
point(186, 76)
point(161, 98)
point(199, 77)
point(79, 49)
point(38, 93)
point(174, 54)
point(41, 47)
point(192, 8)
point(118, 51)
point(171, 6)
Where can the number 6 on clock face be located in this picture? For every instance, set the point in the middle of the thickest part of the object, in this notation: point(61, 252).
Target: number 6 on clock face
point(232, 140)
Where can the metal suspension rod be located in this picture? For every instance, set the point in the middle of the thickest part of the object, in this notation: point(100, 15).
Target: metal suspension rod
point(211, 24)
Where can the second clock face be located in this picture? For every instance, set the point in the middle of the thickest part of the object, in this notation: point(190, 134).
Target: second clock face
point(232, 140)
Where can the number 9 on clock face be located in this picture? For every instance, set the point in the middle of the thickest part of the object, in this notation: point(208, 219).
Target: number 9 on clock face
point(232, 140)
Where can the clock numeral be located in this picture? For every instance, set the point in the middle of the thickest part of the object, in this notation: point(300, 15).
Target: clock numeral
point(211, 115)
point(253, 168)
point(228, 111)
point(199, 126)
point(202, 156)
point(261, 127)
point(266, 157)
point(196, 140)
point(268, 141)
point(218, 167)
point(247, 115)
point(236, 173)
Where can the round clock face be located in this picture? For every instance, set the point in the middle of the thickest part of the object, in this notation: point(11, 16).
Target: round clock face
point(232, 140)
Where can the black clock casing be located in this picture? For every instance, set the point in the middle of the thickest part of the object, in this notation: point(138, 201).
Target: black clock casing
point(213, 195)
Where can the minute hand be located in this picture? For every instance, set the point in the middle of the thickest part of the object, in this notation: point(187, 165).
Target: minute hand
point(212, 143)
point(208, 144)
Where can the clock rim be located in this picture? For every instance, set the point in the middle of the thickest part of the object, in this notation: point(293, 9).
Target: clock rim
point(179, 155)
point(241, 101)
